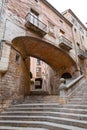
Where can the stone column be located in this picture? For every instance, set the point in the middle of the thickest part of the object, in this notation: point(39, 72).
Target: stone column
point(27, 62)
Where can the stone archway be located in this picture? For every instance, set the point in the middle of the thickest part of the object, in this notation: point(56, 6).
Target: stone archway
point(49, 53)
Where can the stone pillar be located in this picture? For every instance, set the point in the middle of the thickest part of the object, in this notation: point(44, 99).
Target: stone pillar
point(27, 62)
point(62, 87)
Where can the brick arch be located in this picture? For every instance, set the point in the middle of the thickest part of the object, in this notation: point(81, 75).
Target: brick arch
point(38, 48)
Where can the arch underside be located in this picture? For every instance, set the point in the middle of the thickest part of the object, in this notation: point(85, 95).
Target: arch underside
point(52, 55)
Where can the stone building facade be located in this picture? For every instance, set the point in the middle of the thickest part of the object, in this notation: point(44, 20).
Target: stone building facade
point(27, 29)
point(40, 71)
point(80, 38)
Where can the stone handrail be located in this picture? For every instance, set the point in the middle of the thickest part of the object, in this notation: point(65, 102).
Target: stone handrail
point(73, 82)
point(72, 85)
point(67, 90)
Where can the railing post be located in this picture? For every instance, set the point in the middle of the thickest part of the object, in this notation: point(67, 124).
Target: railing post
point(62, 87)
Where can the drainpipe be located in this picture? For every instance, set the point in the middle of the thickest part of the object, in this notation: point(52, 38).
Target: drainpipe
point(2, 3)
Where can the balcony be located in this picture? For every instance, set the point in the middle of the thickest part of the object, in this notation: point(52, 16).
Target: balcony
point(65, 43)
point(35, 24)
point(81, 54)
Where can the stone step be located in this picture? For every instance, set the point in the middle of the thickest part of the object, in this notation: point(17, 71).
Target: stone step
point(80, 102)
point(50, 105)
point(41, 124)
point(37, 105)
point(54, 109)
point(65, 121)
point(78, 99)
point(46, 113)
point(81, 93)
point(40, 92)
point(20, 128)
point(81, 97)
point(75, 106)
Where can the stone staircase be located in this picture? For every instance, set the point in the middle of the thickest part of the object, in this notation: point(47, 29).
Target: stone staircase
point(45, 113)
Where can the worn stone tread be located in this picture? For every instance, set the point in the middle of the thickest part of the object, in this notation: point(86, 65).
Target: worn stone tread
point(44, 117)
point(20, 128)
point(48, 108)
point(44, 105)
point(36, 104)
point(57, 126)
point(41, 112)
point(75, 105)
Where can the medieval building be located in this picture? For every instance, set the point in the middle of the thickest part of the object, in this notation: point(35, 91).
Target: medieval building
point(28, 30)
point(34, 28)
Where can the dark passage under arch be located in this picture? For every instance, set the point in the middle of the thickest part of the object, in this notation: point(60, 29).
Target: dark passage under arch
point(66, 76)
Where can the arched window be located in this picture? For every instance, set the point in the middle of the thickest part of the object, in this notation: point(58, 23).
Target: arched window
point(66, 76)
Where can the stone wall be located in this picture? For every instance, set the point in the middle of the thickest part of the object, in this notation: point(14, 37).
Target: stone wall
point(14, 84)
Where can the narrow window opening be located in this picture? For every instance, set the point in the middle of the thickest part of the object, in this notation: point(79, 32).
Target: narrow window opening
point(83, 37)
point(34, 13)
point(61, 32)
point(36, 0)
point(78, 44)
point(18, 58)
point(61, 21)
point(75, 29)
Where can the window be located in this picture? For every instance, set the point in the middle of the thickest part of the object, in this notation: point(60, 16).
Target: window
point(38, 62)
point(61, 32)
point(17, 58)
point(38, 69)
point(36, 0)
point(34, 17)
point(75, 29)
point(34, 13)
point(61, 21)
point(83, 37)
point(78, 45)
